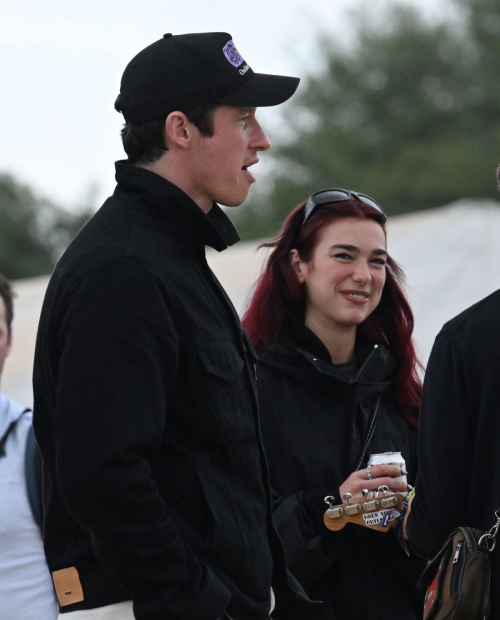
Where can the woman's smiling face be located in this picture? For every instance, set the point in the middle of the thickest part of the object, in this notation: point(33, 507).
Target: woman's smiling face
point(346, 275)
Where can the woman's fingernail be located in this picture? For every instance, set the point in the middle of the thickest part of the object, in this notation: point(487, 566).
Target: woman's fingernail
point(403, 471)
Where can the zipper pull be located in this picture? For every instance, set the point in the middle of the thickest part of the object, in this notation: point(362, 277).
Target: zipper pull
point(254, 366)
point(457, 552)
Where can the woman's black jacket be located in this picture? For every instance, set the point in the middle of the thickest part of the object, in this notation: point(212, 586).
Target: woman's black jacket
point(315, 420)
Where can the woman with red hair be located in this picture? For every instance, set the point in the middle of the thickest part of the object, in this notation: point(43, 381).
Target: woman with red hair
point(337, 381)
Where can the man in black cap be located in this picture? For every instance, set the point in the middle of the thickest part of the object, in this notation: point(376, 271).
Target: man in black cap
point(156, 489)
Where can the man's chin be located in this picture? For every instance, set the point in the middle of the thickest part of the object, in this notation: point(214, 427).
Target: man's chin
point(232, 201)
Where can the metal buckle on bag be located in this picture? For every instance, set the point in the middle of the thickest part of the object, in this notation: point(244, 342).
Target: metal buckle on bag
point(491, 535)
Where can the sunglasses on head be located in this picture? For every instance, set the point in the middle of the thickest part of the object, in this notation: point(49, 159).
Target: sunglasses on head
point(324, 196)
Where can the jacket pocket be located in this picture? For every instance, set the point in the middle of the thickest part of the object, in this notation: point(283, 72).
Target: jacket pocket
point(222, 381)
point(221, 359)
point(224, 543)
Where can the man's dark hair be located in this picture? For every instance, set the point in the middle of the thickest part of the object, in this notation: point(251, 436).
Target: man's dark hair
point(145, 143)
point(7, 294)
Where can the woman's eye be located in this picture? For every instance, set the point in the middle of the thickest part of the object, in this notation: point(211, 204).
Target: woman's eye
point(343, 256)
point(379, 261)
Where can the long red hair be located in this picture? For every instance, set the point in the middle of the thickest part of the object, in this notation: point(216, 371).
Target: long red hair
point(278, 292)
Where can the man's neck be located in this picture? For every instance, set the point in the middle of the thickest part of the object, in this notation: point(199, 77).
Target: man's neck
point(177, 175)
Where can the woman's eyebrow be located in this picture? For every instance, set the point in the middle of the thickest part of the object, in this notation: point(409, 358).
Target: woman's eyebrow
point(353, 248)
point(340, 246)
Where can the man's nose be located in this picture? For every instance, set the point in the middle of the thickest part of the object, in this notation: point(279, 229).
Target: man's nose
point(260, 141)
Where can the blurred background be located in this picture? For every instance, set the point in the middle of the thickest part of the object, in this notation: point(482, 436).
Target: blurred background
point(400, 100)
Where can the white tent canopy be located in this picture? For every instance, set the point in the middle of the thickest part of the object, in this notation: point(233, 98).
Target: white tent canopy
point(451, 257)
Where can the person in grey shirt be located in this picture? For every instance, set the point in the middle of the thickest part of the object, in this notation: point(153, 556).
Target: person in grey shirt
point(26, 590)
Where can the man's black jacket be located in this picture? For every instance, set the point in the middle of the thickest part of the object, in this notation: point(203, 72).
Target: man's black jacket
point(458, 483)
point(156, 485)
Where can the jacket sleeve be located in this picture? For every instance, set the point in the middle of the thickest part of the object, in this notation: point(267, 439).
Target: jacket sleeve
point(298, 517)
point(309, 546)
point(118, 366)
point(444, 450)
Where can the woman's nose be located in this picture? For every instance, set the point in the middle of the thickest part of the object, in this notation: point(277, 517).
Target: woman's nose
point(361, 273)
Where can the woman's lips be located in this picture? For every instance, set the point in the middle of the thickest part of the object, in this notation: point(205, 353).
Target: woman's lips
point(356, 297)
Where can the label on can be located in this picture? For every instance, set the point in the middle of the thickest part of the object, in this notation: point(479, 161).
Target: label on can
point(387, 458)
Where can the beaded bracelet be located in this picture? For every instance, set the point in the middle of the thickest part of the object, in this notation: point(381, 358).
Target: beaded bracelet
point(399, 528)
point(404, 505)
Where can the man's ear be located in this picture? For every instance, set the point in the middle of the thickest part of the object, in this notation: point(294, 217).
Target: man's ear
point(178, 130)
point(297, 265)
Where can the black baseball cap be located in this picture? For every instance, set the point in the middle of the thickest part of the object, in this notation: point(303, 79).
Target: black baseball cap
point(184, 71)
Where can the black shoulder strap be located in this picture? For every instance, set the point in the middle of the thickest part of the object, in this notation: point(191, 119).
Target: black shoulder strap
point(371, 430)
point(33, 469)
point(6, 435)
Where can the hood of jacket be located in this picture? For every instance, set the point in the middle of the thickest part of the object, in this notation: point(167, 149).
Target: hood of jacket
point(300, 354)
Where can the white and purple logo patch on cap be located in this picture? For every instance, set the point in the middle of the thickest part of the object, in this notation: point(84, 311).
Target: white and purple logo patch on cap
point(232, 54)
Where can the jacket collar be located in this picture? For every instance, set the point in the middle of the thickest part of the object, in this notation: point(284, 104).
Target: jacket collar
point(295, 333)
point(299, 349)
point(176, 209)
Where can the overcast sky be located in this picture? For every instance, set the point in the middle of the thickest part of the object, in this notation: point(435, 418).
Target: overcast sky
point(61, 63)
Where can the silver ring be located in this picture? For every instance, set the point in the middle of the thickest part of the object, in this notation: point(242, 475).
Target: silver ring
point(369, 472)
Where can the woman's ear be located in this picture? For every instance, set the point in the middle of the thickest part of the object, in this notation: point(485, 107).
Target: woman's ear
point(297, 265)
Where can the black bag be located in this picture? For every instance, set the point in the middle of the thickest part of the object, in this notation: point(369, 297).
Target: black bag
point(458, 577)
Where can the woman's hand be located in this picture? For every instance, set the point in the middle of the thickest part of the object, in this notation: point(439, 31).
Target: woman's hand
point(391, 476)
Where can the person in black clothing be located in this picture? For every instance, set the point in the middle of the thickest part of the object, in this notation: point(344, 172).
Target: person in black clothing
point(457, 483)
point(336, 382)
point(157, 501)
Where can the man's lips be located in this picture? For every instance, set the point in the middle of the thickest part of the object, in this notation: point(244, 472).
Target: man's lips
point(356, 297)
point(247, 172)
point(249, 175)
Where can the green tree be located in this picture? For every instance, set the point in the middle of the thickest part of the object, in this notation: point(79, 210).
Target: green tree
point(409, 113)
point(33, 231)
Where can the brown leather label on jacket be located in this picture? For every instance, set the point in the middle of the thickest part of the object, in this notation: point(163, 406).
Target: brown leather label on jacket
point(68, 586)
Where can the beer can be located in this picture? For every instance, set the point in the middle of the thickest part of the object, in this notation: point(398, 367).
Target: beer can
point(389, 458)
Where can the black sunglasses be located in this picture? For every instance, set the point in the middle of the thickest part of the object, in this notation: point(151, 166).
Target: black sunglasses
point(324, 196)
